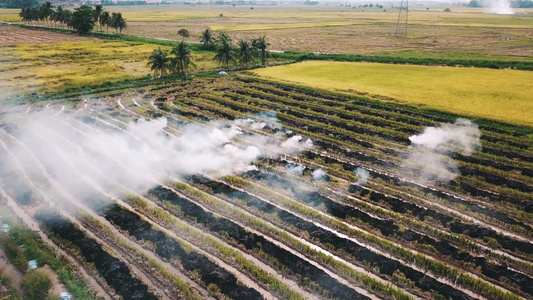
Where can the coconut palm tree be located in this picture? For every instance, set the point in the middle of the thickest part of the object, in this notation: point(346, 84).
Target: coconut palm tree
point(261, 45)
point(34, 15)
point(58, 15)
point(25, 14)
point(98, 9)
point(67, 18)
point(208, 39)
point(105, 19)
point(246, 52)
point(225, 52)
point(117, 22)
point(184, 33)
point(47, 9)
point(182, 60)
point(224, 37)
point(159, 62)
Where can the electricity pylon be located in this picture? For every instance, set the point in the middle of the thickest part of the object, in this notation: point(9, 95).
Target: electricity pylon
point(401, 25)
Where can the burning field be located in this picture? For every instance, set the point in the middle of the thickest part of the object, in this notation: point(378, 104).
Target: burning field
point(238, 187)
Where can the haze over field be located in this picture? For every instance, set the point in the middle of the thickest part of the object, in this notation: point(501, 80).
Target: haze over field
point(265, 152)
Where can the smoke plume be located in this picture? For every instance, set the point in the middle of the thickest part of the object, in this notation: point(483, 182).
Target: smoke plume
point(362, 176)
point(318, 175)
point(430, 153)
point(500, 7)
point(141, 154)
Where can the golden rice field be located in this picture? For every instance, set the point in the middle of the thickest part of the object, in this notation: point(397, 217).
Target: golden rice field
point(502, 95)
point(54, 66)
point(324, 15)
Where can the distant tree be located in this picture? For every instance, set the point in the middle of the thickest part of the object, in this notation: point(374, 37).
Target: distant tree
point(159, 62)
point(225, 52)
point(224, 36)
point(474, 3)
point(24, 14)
point(105, 19)
point(19, 3)
point(98, 9)
point(118, 22)
point(67, 18)
point(34, 15)
point(57, 15)
point(261, 46)
point(181, 61)
point(208, 39)
point(35, 285)
point(83, 19)
point(246, 52)
point(184, 33)
point(46, 11)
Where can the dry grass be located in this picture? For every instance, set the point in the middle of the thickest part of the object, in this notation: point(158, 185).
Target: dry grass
point(502, 95)
point(54, 66)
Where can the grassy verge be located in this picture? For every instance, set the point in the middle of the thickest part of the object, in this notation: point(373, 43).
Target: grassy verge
point(33, 248)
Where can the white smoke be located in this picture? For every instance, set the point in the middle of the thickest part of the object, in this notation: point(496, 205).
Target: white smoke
point(296, 169)
point(500, 7)
point(142, 153)
point(295, 144)
point(362, 176)
point(431, 151)
point(318, 175)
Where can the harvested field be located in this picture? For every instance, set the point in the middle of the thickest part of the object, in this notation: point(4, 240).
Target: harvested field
point(75, 62)
point(467, 33)
point(12, 35)
point(483, 93)
point(365, 226)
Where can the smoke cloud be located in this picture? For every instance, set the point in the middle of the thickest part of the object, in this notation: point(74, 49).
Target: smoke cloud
point(143, 152)
point(362, 176)
point(430, 153)
point(296, 169)
point(500, 7)
point(318, 175)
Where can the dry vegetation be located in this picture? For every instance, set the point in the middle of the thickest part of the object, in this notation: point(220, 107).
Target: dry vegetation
point(51, 61)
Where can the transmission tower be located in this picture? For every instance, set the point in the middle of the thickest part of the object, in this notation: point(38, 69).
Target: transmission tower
point(401, 25)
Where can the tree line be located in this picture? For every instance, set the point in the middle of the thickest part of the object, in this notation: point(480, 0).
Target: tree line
point(82, 19)
point(245, 53)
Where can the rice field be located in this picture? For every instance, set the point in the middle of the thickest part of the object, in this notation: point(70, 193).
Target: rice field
point(484, 93)
point(51, 67)
point(340, 216)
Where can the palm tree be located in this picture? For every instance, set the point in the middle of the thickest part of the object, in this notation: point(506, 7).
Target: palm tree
point(182, 59)
point(208, 39)
point(261, 45)
point(246, 52)
point(225, 52)
point(34, 15)
point(159, 62)
point(67, 18)
point(47, 9)
point(184, 33)
point(105, 19)
point(117, 22)
point(58, 15)
point(224, 37)
point(98, 9)
point(25, 14)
